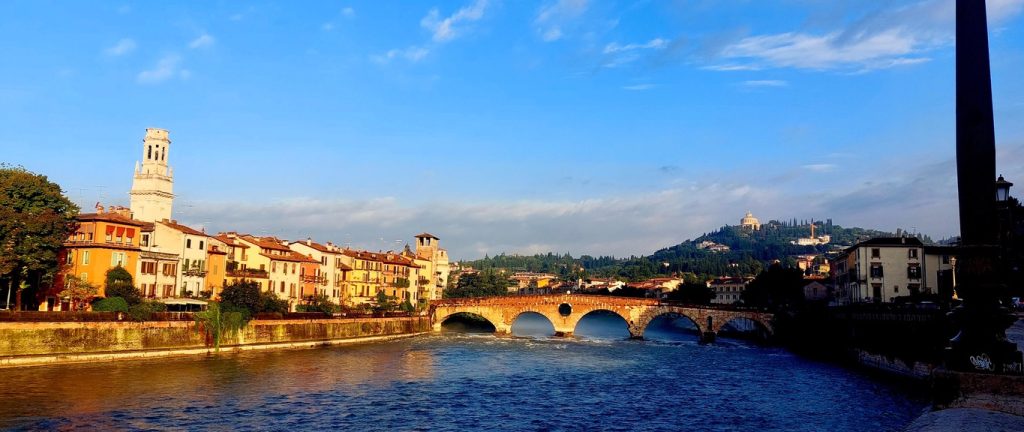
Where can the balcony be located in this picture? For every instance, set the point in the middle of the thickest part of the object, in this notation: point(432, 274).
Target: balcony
point(319, 280)
point(194, 271)
point(248, 273)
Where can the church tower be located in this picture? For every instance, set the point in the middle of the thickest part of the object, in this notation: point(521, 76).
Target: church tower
point(152, 187)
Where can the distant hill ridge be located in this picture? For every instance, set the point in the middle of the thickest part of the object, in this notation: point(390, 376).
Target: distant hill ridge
point(749, 252)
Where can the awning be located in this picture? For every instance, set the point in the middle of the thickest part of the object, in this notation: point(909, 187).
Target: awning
point(131, 233)
point(183, 301)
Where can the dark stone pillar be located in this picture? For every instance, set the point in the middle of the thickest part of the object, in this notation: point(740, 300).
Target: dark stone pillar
point(981, 342)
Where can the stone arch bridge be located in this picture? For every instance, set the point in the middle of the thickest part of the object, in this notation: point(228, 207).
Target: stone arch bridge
point(565, 311)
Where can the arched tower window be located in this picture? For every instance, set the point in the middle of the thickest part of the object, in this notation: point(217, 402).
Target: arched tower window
point(163, 154)
point(149, 153)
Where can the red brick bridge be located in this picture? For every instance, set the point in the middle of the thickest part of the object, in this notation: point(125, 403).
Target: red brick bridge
point(565, 311)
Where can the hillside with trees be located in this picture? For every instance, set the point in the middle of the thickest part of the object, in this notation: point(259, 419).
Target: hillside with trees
point(750, 252)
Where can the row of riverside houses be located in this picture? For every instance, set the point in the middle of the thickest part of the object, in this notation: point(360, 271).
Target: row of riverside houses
point(168, 260)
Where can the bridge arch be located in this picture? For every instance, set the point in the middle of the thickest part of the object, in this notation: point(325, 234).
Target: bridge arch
point(606, 311)
point(760, 323)
point(649, 316)
point(513, 320)
point(470, 315)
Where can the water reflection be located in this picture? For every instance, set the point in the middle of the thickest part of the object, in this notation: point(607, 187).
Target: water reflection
point(464, 322)
point(457, 382)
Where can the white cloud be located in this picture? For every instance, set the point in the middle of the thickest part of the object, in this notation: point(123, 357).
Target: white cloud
point(327, 27)
point(765, 83)
point(166, 68)
point(446, 29)
point(122, 47)
point(411, 54)
point(203, 40)
point(820, 168)
point(890, 36)
point(638, 87)
point(348, 12)
point(656, 43)
point(554, 16)
point(800, 50)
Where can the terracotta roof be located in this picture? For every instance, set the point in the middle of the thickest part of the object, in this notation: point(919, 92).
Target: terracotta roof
point(363, 255)
point(427, 235)
point(317, 246)
point(108, 217)
point(290, 257)
point(148, 227)
point(230, 241)
point(213, 250)
point(187, 230)
point(266, 242)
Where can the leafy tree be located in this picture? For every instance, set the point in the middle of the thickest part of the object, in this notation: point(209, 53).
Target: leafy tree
point(384, 303)
point(776, 287)
point(482, 284)
point(692, 293)
point(35, 220)
point(119, 284)
point(270, 303)
point(79, 292)
point(217, 322)
point(111, 304)
point(243, 294)
point(320, 303)
point(407, 306)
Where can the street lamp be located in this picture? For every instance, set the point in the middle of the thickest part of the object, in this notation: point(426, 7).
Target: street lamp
point(1002, 189)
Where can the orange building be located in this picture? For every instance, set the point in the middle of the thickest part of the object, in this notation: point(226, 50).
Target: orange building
point(103, 240)
point(216, 266)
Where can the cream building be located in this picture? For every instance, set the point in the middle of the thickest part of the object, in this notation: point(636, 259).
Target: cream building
point(434, 267)
point(152, 191)
point(884, 268)
point(750, 222)
point(331, 266)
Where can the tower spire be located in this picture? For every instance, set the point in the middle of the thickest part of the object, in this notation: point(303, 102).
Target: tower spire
point(152, 192)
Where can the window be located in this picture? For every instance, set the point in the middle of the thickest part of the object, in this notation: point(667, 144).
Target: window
point(149, 268)
point(85, 257)
point(896, 288)
point(912, 253)
point(875, 253)
point(913, 272)
point(876, 271)
point(186, 264)
point(89, 235)
point(188, 244)
point(293, 268)
point(170, 269)
point(282, 286)
point(117, 259)
point(110, 237)
point(70, 258)
point(273, 267)
point(200, 245)
point(145, 240)
point(945, 259)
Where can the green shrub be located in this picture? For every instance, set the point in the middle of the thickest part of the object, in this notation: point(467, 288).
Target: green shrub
point(243, 294)
point(270, 303)
point(111, 304)
point(119, 284)
point(144, 311)
point(321, 303)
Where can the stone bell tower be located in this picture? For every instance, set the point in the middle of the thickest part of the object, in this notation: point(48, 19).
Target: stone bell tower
point(153, 184)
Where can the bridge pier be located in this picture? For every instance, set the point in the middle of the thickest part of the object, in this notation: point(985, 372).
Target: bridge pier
point(565, 334)
point(706, 337)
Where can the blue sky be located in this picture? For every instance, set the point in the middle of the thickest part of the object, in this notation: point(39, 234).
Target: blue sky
point(567, 126)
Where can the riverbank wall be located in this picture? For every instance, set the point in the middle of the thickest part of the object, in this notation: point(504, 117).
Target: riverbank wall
point(38, 343)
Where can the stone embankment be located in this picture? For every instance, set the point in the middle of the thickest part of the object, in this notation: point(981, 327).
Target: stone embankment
point(35, 343)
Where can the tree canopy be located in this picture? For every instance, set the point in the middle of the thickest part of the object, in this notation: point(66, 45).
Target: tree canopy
point(483, 284)
point(35, 220)
point(119, 284)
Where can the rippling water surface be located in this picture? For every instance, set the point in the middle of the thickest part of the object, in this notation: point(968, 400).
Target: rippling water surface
point(464, 382)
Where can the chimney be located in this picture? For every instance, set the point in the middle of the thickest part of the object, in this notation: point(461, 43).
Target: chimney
point(99, 208)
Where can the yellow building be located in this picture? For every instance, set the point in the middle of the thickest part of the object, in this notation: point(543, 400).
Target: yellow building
point(103, 240)
point(364, 281)
point(216, 267)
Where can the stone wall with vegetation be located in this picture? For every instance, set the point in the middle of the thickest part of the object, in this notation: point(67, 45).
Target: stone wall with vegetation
point(20, 339)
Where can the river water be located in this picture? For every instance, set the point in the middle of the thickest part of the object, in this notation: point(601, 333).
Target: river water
point(458, 381)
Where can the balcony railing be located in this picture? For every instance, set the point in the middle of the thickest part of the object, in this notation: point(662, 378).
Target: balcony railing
point(248, 273)
point(197, 272)
point(320, 280)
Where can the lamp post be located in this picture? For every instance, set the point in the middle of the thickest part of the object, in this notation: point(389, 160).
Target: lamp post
point(980, 345)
